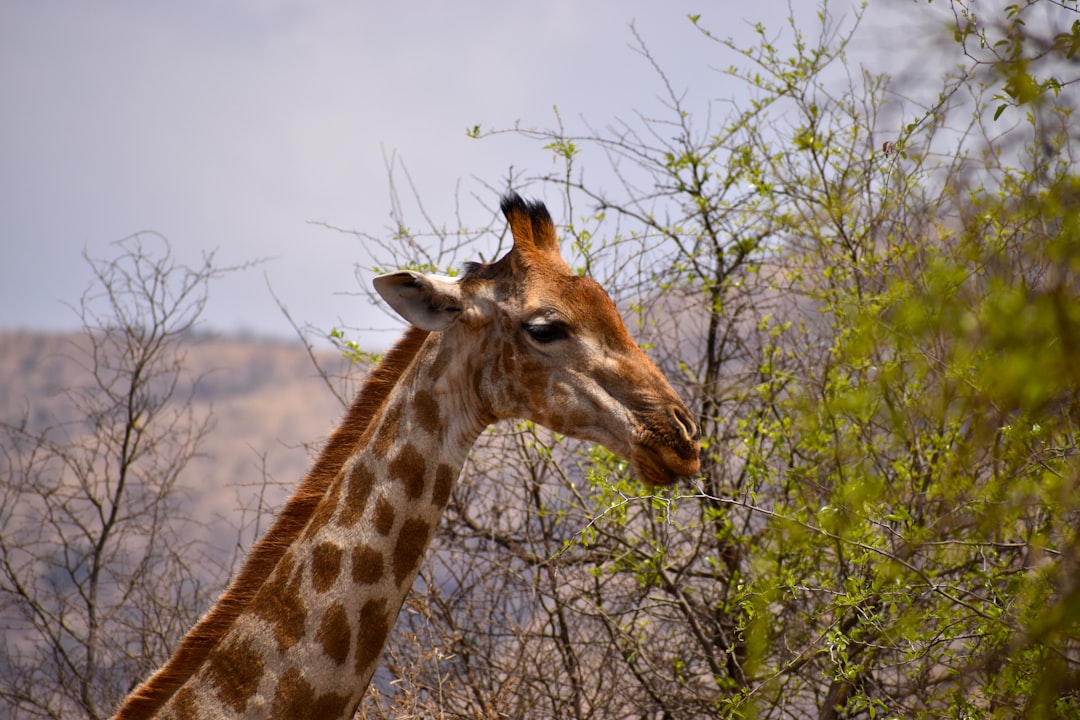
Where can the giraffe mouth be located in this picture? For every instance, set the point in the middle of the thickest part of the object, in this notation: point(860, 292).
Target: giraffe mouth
point(658, 465)
point(666, 447)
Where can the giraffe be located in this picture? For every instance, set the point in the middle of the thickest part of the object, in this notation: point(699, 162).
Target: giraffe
point(300, 630)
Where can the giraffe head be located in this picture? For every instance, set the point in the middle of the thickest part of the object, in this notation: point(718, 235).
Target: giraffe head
point(536, 341)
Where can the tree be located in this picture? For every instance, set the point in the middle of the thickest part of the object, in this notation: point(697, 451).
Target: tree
point(873, 304)
point(100, 568)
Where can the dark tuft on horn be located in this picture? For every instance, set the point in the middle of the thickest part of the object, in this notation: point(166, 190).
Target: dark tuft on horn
point(535, 210)
point(531, 226)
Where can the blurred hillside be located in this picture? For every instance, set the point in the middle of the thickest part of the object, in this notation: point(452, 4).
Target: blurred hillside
point(269, 407)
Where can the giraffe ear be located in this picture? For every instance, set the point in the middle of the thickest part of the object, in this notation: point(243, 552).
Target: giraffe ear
point(430, 302)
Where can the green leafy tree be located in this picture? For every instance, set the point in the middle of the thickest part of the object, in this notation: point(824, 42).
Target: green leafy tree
point(873, 304)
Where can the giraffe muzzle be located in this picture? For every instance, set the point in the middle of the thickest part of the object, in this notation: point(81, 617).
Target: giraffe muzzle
point(691, 433)
point(666, 447)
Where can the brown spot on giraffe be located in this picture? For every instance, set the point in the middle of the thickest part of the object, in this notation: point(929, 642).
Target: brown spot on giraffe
point(184, 704)
point(427, 411)
point(444, 484)
point(294, 698)
point(361, 480)
point(335, 635)
point(367, 565)
point(384, 516)
point(280, 603)
point(374, 626)
point(235, 670)
point(412, 540)
point(386, 432)
point(325, 566)
point(408, 467)
point(324, 510)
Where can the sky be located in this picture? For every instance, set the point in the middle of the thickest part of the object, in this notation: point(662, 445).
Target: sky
point(244, 128)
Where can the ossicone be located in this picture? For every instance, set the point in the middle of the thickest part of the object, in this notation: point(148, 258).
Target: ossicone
point(530, 224)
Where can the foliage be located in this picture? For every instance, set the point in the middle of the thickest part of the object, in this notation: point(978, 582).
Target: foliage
point(874, 307)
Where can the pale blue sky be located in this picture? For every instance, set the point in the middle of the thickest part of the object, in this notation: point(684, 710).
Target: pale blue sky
point(230, 126)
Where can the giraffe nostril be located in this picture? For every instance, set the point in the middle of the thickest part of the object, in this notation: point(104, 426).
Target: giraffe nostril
point(686, 423)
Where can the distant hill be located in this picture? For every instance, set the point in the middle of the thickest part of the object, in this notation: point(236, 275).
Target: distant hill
point(271, 412)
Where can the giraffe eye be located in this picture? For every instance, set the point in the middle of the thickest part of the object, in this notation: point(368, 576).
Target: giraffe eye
point(546, 332)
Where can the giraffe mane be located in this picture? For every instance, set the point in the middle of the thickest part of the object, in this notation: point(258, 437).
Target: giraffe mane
point(264, 555)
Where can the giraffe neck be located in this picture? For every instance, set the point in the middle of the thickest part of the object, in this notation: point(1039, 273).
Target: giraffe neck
point(310, 640)
point(191, 652)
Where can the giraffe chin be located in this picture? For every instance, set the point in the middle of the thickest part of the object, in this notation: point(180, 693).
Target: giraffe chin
point(659, 466)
